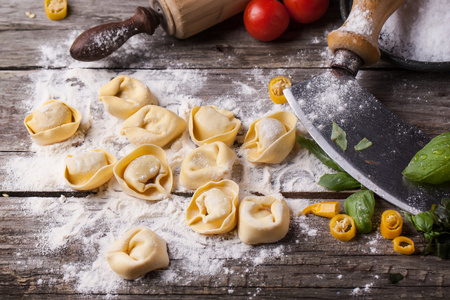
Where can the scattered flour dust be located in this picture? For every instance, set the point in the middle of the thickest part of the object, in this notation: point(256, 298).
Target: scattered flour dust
point(92, 223)
point(361, 291)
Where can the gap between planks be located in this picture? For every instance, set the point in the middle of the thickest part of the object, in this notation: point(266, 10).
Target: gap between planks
point(83, 194)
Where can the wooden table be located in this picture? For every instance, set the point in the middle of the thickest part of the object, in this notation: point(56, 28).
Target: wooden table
point(314, 267)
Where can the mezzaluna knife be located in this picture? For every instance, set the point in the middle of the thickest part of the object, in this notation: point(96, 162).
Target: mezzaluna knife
point(336, 96)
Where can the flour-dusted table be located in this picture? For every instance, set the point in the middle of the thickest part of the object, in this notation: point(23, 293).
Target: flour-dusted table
point(317, 267)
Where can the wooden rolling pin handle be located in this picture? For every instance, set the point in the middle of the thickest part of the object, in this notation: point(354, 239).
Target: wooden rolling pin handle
point(360, 31)
point(100, 41)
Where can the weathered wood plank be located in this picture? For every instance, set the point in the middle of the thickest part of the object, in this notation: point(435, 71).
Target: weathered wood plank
point(309, 266)
point(422, 103)
point(81, 14)
point(236, 66)
point(226, 45)
point(206, 50)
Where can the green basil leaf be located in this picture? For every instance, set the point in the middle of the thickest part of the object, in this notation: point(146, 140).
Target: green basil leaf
point(431, 235)
point(423, 221)
point(432, 163)
point(442, 213)
point(363, 144)
point(339, 136)
point(409, 217)
point(395, 277)
point(360, 207)
point(339, 182)
point(315, 149)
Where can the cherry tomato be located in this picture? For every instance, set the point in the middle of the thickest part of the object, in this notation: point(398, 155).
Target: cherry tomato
point(266, 20)
point(306, 11)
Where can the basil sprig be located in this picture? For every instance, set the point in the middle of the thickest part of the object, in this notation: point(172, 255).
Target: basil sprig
point(435, 225)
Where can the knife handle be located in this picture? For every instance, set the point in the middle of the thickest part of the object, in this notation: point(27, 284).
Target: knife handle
point(360, 31)
point(100, 41)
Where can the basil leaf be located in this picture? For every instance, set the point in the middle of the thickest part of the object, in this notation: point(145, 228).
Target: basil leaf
point(433, 224)
point(423, 221)
point(395, 277)
point(339, 182)
point(442, 213)
point(315, 149)
point(339, 136)
point(363, 144)
point(360, 207)
point(432, 163)
point(431, 235)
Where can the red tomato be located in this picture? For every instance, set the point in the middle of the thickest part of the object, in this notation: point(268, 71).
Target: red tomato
point(306, 11)
point(266, 20)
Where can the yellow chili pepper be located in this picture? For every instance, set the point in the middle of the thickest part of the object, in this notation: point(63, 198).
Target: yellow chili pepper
point(391, 224)
point(323, 209)
point(276, 87)
point(342, 227)
point(56, 9)
point(403, 245)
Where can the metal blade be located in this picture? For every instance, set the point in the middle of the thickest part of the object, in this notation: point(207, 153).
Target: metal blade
point(335, 96)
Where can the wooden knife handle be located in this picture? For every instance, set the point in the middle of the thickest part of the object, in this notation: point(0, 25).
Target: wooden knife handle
point(360, 31)
point(100, 41)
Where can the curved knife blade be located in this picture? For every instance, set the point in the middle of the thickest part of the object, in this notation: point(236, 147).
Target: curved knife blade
point(336, 96)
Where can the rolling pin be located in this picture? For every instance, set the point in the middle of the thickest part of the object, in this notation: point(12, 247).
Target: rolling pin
point(179, 18)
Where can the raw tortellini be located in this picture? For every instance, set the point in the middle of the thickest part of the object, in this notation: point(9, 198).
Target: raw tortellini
point(210, 162)
point(263, 219)
point(213, 208)
point(144, 173)
point(53, 122)
point(124, 95)
point(270, 139)
point(137, 252)
point(89, 170)
point(207, 124)
point(153, 125)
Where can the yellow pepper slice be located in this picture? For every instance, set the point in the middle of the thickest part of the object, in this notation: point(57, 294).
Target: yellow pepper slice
point(323, 209)
point(56, 9)
point(342, 227)
point(276, 87)
point(391, 224)
point(403, 245)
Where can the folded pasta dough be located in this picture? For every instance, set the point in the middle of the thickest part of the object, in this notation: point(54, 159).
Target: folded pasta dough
point(144, 173)
point(53, 122)
point(137, 252)
point(124, 95)
point(213, 208)
point(208, 124)
point(263, 219)
point(270, 139)
point(153, 125)
point(89, 170)
point(210, 162)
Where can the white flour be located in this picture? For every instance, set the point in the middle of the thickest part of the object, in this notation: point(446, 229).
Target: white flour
point(94, 222)
point(359, 21)
point(419, 30)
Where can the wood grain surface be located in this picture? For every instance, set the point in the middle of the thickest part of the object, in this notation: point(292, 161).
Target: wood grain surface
point(309, 266)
